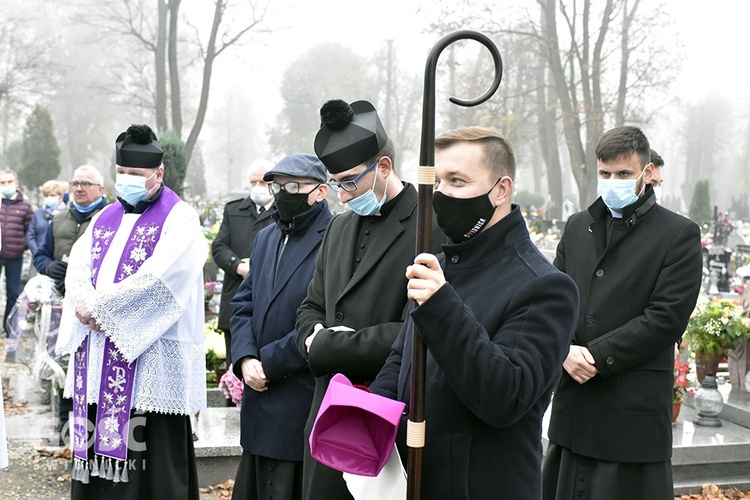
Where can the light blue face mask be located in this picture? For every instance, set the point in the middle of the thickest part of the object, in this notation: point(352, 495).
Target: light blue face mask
point(367, 203)
point(51, 201)
point(8, 191)
point(132, 188)
point(618, 193)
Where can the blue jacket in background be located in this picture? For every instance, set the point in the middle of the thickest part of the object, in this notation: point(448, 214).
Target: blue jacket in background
point(38, 227)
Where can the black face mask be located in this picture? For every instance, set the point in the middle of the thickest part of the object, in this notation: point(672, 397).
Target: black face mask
point(291, 205)
point(462, 218)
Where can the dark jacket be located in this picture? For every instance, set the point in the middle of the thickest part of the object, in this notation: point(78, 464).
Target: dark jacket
point(497, 333)
point(15, 218)
point(263, 314)
point(637, 293)
point(63, 231)
point(233, 243)
point(38, 227)
point(372, 301)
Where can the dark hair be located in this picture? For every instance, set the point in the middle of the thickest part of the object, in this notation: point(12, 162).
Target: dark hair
point(388, 150)
point(622, 142)
point(498, 153)
point(656, 159)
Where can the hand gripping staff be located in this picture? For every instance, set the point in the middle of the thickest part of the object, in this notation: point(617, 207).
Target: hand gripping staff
point(415, 431)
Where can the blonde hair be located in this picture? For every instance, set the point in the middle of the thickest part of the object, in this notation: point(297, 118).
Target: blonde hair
point(498, 153)
point(50, 188)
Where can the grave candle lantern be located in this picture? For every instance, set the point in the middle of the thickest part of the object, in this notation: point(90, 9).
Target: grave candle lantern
point(708, 402)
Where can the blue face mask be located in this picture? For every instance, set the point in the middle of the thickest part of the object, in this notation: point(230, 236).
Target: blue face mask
point(9, 191)
point(618, 193)
point(132, 188)
point(367, 203)
point(51, 201)
point(84, 210)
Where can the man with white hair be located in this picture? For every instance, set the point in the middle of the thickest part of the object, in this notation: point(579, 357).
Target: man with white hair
point(64, 229)
point(67, 226)
point(231, 249)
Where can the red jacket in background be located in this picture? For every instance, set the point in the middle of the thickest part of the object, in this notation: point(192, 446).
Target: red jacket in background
point(15, 217)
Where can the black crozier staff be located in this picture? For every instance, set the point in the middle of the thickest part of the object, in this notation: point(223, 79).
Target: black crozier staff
point(415, 431)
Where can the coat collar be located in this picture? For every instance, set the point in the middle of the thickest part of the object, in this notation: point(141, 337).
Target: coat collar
point(304, 243)
point(630, 214)
point(489, 243)
point(248, 203)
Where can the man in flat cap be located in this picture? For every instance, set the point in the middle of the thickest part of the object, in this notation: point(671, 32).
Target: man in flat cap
point(279, 389)
point(133, 325)
point(357, 297)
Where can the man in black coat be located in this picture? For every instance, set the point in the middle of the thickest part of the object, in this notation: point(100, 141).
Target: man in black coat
point(357, 297)
point(497, 319)
point(231, 248)
point(638, 270)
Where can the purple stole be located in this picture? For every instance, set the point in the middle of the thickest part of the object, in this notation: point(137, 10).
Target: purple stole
point(112, 426)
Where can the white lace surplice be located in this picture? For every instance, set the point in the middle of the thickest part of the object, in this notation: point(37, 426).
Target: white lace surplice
point(154, 315)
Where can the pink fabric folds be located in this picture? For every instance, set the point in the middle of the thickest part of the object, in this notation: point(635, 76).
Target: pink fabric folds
point(355, 430)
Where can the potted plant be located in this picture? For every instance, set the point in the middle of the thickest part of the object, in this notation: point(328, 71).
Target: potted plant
point(210, 289)
point(715, 326)
point(682, 385)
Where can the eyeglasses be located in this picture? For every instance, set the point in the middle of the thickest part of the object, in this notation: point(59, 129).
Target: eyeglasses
point(291, 187)
point(350, 186)
point(84, 184)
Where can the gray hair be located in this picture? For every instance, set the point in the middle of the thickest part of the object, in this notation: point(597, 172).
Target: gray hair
point(90, 169)
point(11, 172)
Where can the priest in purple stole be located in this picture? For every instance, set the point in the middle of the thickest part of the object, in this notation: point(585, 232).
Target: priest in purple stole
point(133, 325)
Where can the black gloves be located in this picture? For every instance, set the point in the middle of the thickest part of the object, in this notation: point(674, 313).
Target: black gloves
point(56, 270)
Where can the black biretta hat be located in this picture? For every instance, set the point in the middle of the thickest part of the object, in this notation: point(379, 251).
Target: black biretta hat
point(348, 135)
point(137, 147)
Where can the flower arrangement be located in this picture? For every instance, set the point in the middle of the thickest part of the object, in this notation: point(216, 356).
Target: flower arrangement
point(232, 387)
point(717, 325)
point(216, 352)
point(682, 385)
point(209, 289)
point(210, 232)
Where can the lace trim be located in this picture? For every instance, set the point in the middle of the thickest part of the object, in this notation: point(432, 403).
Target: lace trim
point(170, 376)
point(143, 303)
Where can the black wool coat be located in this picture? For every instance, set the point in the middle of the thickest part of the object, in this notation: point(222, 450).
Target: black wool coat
point(496, 333)
point(234, 242)
point(637, 291)
point(372, 301)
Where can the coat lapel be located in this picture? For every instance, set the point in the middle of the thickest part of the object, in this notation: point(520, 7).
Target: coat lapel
point(296, 254)
point(388, 235)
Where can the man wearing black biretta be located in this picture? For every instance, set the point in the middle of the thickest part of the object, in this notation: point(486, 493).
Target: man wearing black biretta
point(133, 325)
point(354, 305)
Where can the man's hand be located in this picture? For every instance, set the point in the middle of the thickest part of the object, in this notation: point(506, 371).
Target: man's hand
point(244, 267)
point(309, 340)
point(580, 364)
point(57, 269)
point(253, 375)
point(425, 277)
point(84, 316)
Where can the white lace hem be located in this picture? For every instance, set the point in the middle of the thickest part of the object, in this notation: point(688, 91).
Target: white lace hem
point(170, 376)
